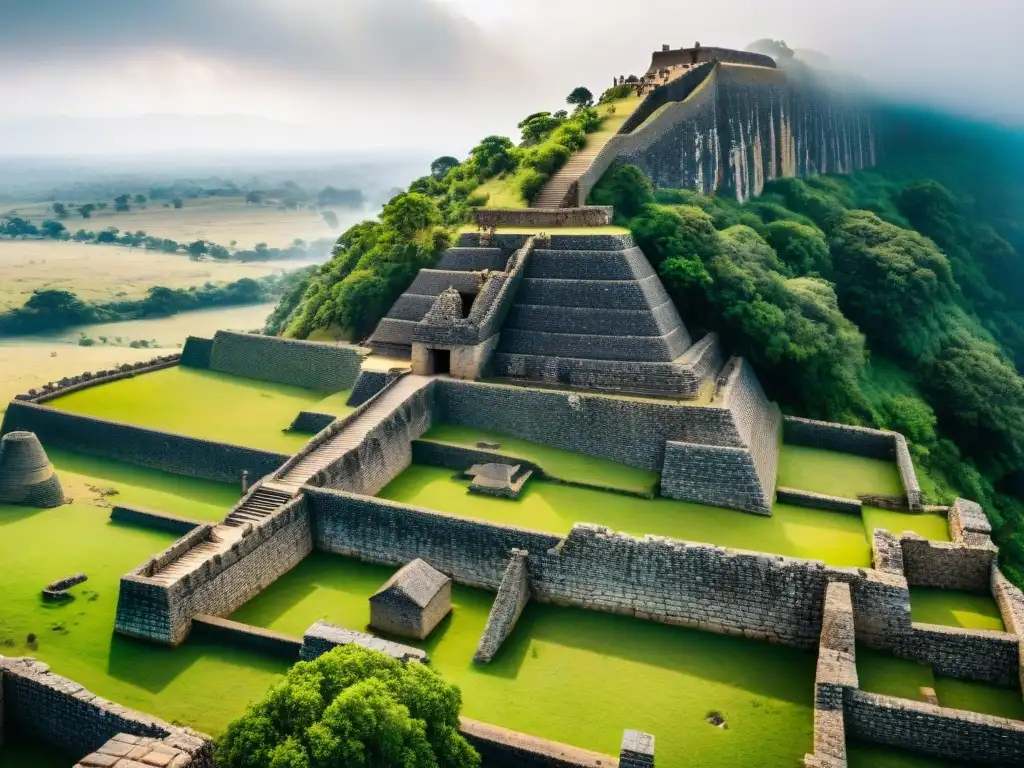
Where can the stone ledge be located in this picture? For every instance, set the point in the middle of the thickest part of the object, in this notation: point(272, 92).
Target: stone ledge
point(585, 216)
point(323, 636)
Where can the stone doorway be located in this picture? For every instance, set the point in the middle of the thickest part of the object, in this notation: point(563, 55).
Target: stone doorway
point(439, 361)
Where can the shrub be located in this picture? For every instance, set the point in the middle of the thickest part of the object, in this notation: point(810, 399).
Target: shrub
point(548, 158)
point(477, 199)
point(616, 92)
point(626, 187)
point(531, 181)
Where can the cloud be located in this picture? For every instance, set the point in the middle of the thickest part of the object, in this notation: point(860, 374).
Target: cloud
point(439, 74)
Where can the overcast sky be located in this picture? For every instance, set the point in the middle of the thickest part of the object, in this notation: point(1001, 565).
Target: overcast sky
point(434, 75)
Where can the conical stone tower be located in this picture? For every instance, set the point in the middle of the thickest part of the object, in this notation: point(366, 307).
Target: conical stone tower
point(26, 475)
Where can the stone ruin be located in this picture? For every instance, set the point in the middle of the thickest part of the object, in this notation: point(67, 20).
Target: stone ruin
point(412, 602)
point(505, 480)
point(26, 474)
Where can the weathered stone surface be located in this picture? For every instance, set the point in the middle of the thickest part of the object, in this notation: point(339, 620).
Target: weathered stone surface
point(322, 637)
point(26, 474)
point(513, 595)
point(412, 602)
point(313, 365)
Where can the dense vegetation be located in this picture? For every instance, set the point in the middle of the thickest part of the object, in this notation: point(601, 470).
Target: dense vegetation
point(374, 261)
point(352, 707)
point(16, 227)
point(49, 309)
point(889, 298)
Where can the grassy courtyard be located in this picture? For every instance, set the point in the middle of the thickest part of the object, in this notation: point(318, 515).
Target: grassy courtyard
point(836, 538)
point(835, 473)
point(203, 685)
point(952, 608)
point(564, 465)
point(888, 675)
point(206, 404)
point(585, 675)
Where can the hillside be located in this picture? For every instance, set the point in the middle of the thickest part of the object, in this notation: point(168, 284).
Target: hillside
point(890, 297)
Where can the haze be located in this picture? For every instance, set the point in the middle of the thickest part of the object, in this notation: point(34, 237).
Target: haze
point(431, 76)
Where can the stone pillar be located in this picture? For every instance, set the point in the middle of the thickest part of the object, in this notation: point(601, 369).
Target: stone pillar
point(637, 750)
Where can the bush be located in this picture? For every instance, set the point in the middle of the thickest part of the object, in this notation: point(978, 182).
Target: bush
point(477, 199)
point(616, 92)
point(548, 158)
point(352, 707)
point(531, 181)
point(625, 187)
point(803, 249)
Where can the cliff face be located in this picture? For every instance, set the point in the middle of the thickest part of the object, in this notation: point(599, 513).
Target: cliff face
point(744, 126)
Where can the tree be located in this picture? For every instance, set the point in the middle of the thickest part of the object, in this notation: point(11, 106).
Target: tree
point(536, 127)
point(440, 167)
point(121, 203)
point(410, 213)
point(580, 98)
point(108, 235)
point(803, 249)
point(178, 202)
point(197, 249)
point(254, 198)
point(53, 229)
point(140, 199)
point(347, 198)
point(330, 219)
point(60, 210)
point(494, 155)
point(85, 210)
point(353, 707)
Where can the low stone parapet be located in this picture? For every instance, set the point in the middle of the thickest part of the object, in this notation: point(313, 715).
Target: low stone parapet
point(502, 748)
point(322, 637)
point(148, 518)
point(584, 216)
point(886, 552)
point(247, 636)
point(948, 565)
point(971, 654)
point(818, 500)
point(69, 384)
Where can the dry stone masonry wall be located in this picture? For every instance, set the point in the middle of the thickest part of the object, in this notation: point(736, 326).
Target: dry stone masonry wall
point(88, 379)
point(513, 594)
point(328, 367)
point(61, 713)
point(178, 454)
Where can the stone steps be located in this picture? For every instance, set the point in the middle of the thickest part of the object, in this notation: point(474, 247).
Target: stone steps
point(553, 193)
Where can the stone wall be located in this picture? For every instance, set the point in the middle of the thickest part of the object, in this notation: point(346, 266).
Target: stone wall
point(69, 384)
point(313, 365)
point(1011, 606)
point(322, 637)
point(972, 654)
point(311, 422)
point(947, 565)
point(886, 552)
point(369, 384)
point(385, 451)
point(459, 458)
point(513, 594)
point(908, 477)
point(818, 501)
point(740, 477)
point(632, 432)
point(196, 353)
point(181, 455)
point(743, 126)
point(502, 748)
point(763, 596)
point(949, 734)
point(676, 90)
point(59, 712)
point(147, 518)
point(237, 635)
point(164, 612)
point(862, 441)
point(835, 677)
point(587, 216)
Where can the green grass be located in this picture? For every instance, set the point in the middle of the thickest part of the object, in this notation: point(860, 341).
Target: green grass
point(952, 608)
point(204, 685)
point(837, 474)
point(137, 486)
point(836, 538)
point(885, 674)
point(932, 526)
point(580, 676)
point(205, 404)
point(564, 465)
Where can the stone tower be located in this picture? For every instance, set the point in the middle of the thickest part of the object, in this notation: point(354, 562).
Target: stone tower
point(26, 475)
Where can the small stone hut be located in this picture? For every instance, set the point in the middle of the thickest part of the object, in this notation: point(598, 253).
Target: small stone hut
point(498, 479)
point(412, 602)
point(26, 474)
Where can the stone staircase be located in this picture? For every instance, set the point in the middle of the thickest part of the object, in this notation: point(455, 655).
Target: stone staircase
point(553, 193)
point(270, 495)
point(350, 437)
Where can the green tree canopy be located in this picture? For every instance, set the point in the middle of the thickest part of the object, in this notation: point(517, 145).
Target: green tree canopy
point(580, 97)
point(440, 167)
point(494, 155)
point(625, 187)
point(801, 248)
point(352, 707)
